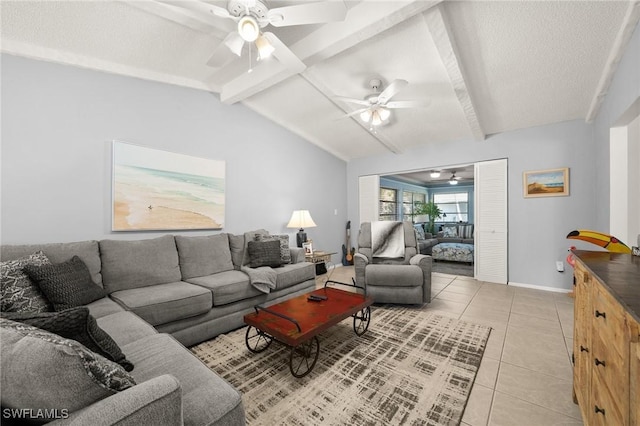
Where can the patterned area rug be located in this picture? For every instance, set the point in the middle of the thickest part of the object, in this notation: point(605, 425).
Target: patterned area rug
point(411, 367)
point(452, 268)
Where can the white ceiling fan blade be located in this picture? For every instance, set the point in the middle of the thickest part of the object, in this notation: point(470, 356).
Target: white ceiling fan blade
point(391, 90)
point(200, 7)
point(352, 100)
point(312, 13)
point(356, 112)
point(407, 104)
point(225, 51)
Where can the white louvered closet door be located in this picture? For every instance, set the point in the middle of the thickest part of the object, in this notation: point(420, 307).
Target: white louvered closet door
point(491, 221)
point(369, 198)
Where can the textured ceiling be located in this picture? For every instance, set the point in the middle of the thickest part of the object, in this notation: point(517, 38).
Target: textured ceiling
point(483, 67)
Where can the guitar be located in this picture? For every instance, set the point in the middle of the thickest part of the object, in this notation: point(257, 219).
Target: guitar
point(352, 251)
point(345, 252)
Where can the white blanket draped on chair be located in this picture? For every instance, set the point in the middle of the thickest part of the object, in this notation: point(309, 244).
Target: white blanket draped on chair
point(387, 239)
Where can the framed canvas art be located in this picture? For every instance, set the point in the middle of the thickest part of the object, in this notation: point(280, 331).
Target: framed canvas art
point(546, 183)
point(161, 190)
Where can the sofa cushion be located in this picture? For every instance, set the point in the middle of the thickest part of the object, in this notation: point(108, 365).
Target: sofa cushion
point(67, 284)
point(200, 256)
point(140, 263)
point(227, 287)
point(207, 399)
point(291, 274)
point(76, 324)
point(465, 231)
point(450, 231)
point(88, 251)
point(285, 251)
point(264, 253)
point(103, 307)
point(17, 292)
point(125, 327)
point(162, 303)
point(41, 370)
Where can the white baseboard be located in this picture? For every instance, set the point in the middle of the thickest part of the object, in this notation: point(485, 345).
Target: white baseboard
point(540, 287)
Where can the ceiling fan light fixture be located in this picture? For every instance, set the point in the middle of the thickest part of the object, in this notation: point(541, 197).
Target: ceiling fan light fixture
point(265, 49)
point(376, 120)
point(248, 28)
point(365, 115)
point(384, 113)
point(435, 175)
point(453, 182)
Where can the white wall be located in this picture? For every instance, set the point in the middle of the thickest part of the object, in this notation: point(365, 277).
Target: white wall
point(624, 90)
point(57, 126)
point(537, 226)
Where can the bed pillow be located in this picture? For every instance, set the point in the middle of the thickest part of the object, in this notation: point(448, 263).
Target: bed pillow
point(17, 292)
point(67, 284)
point(76, 324)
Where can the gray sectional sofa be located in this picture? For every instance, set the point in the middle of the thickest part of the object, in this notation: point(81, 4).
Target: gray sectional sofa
point(164, 294)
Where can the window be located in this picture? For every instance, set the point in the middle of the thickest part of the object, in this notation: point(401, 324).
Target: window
point(409, 200)
point(388, 204)
point(454, 205)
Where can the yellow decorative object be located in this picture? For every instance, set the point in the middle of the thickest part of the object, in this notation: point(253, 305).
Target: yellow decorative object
point(605, 241)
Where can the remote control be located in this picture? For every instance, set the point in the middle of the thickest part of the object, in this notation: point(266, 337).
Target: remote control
point(320, 296)
point(313, 299)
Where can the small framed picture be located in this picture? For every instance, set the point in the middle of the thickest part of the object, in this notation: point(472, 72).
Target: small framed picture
point(308, 248)
point(546, 183)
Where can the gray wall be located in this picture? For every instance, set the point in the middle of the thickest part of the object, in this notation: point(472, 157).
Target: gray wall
point(57, 126)
point(537, 226)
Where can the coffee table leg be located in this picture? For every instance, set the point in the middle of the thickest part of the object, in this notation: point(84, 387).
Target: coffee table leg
point(303, 357)
point(361, 321)
point(257, 340)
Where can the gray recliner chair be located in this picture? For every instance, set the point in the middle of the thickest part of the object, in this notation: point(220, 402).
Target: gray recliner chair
point(405, 280)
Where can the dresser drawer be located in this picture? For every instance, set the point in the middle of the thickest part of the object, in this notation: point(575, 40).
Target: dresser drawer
point(604, 408)
point(609, 321)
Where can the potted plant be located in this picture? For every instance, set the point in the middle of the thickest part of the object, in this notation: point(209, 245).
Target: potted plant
point(430, 209)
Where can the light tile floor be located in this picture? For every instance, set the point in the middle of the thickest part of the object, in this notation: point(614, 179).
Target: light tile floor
point(525, 377)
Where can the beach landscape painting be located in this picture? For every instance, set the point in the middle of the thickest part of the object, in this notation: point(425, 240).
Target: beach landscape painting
point(160, 190)
point(546, 183)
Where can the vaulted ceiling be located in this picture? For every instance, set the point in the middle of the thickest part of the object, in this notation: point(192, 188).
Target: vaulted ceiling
point(481, 67)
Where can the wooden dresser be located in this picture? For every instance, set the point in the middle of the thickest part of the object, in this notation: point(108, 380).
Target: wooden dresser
point(606, 348)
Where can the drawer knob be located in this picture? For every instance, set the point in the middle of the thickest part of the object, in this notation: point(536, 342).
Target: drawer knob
point(583, 349)
point(598, 362)
point(599, 410)
point(601, 314)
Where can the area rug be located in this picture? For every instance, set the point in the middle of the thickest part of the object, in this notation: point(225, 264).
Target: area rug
point(452, 268)
point(411, 367)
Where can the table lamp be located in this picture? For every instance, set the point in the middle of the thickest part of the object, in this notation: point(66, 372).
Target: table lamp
point(301, 219)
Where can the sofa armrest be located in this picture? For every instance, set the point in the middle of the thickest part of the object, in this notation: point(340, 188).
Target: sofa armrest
point(297, 254)
point(425, 263)
point(360, 262)
point(157, 401)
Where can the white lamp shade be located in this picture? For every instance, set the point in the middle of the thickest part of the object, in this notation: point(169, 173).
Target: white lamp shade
point(248, 28)
point(384, 113)
point(365, 116)
point(301, 219)
point(435, 174)
point(375, 119)
point(453, 182)
point(265, 49)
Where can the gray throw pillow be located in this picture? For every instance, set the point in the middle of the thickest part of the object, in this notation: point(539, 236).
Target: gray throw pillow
point(285, 251)
point(76, 324)
point(264, 253)
point(67, 284)
point(17, 292)
point(41, 370)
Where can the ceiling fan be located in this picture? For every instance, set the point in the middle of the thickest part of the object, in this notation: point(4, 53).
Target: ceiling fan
point(376, 105)
point(251, 16)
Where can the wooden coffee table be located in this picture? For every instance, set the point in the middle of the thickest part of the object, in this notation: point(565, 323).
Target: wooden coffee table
point(298, 321)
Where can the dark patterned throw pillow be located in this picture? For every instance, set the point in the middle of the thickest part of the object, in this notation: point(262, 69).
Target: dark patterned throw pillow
point(264, 253)
point(67, 374)
point(76, 324)
point(17, 292)
point(67, 284)
point(285, 251)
